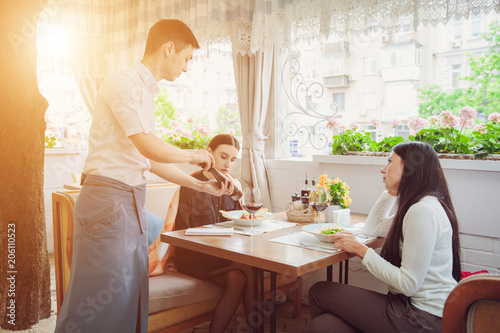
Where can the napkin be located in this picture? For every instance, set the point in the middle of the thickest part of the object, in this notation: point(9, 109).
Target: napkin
point(209, 232)
point(265, 226)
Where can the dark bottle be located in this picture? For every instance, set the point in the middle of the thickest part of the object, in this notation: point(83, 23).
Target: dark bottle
point(306, 190)
point(220, 177)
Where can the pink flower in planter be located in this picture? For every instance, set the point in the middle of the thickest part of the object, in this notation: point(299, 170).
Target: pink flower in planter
point(395, 122)
point(448, 119)
point(433, 120)
point(161, 131)
point(231, 131)
point(375, 122)
point(480, 127)
point(187, 134)
point(333, 123)
point(174, 123)
point(468, 113)
point(205, 130)
point(190, 120)
point(354, 126)
point(469, 123)
point(494, 117)
point(342, 128)
point(417, 123)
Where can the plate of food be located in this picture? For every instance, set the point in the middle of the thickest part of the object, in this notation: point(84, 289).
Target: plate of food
point(323, 231)
point(242, 217)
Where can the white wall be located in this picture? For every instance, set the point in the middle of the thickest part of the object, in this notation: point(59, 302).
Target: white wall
point(474, 187)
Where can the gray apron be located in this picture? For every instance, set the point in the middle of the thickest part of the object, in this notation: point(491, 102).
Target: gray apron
point(108, 289)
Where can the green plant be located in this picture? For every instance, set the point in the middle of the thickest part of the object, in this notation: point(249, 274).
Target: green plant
point(165, 111)
point(385, 144)
point(444, 140)
point(487, 140)
point(50, 141)
point(350, 140)
point(187, 135)
point(338, 190)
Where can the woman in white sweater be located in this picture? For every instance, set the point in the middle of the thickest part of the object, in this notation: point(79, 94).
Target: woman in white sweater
point(419, 262)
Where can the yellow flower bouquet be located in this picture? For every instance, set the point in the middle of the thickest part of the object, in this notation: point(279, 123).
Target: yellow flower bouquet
point(339, 191)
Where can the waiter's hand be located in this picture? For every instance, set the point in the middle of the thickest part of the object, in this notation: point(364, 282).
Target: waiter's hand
point(203, 158)
point(212, 187)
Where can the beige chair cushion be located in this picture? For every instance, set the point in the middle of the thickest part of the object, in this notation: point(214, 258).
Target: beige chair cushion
point(173, 289)
point(484, 316)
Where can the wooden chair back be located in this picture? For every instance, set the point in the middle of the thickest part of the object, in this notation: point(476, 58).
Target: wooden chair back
point(473, 306)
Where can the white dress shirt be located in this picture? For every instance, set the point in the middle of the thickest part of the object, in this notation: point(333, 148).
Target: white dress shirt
point(124, 106)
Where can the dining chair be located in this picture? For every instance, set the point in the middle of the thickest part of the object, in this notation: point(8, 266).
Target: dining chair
point(473, 306)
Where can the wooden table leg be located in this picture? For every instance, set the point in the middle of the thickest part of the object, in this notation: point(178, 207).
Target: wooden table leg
point(258, 290)
point(273, 301)
point(340, 271)
point(346, 272)
point(329, 273)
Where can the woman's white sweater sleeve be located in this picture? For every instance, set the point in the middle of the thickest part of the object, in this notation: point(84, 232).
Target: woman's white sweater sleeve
point(420, 233)
point(379, 220)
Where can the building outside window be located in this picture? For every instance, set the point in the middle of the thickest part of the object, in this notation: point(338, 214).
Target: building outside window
point(455, 74)
point(370, 66)
point(475, 25)
point(339, 100)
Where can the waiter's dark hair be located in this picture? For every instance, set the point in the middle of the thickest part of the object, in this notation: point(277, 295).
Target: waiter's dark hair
point(223, 139)
point(165, 31)
point(422, 176)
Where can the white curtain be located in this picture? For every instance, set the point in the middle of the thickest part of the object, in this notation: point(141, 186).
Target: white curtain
point(253, 74)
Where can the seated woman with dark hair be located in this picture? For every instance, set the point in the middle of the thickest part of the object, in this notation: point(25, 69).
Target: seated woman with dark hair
point(419, 261)
point(197, 209)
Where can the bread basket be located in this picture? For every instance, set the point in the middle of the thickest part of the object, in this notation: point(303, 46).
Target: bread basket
point(300, 215)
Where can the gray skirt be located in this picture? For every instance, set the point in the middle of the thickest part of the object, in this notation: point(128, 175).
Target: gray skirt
point(108, 289)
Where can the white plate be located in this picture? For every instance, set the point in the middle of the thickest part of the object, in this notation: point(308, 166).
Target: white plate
point(236, 218)
point(314, 229)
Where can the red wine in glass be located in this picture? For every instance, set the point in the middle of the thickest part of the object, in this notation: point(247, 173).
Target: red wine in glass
point(252, 208)
point(319, 206)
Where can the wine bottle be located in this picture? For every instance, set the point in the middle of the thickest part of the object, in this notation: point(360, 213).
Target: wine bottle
point(220, 177)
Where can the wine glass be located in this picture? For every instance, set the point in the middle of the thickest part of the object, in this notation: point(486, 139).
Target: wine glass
point(252, 202)
point(319, 200)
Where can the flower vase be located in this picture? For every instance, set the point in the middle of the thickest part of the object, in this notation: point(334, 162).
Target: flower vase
point(335, 214)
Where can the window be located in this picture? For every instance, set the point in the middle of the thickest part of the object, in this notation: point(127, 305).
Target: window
point(457, 30)
point(333, 64)
point(369, 65)
point(455, 73)
point(475, 25)
point(339, 99)
point(402, 55)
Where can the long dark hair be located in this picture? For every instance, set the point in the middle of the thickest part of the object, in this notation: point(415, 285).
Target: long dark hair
point(422, 176)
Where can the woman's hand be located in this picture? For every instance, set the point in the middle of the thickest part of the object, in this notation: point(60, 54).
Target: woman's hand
point(346, 241)
point(203, 158)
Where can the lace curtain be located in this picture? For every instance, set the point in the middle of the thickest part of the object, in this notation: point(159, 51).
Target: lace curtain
point(117, 29)
point(282, 23)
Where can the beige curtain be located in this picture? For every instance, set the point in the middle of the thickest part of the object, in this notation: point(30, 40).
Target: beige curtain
point(253, 76)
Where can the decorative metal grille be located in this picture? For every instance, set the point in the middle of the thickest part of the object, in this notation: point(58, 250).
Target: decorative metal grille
point(303, 123)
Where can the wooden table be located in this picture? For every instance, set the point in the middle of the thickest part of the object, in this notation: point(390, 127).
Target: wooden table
point(257, 251)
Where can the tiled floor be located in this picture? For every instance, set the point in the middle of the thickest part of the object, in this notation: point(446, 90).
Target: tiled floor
point(284, 321)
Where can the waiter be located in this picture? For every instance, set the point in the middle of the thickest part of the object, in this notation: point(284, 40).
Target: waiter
point(108, 288)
